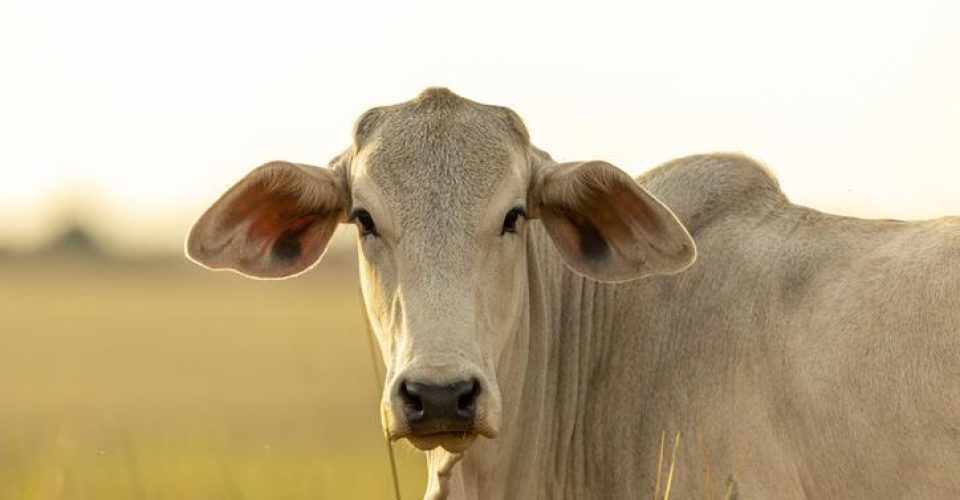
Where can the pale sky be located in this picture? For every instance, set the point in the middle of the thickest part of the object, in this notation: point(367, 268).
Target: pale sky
point(141, 113)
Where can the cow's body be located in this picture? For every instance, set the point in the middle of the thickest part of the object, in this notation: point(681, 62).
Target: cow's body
point(802, 355)
point(546, 336)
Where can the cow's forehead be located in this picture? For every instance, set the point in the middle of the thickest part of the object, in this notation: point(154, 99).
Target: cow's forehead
point(439, 153)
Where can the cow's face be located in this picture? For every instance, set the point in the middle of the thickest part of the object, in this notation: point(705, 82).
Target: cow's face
point(444, 192)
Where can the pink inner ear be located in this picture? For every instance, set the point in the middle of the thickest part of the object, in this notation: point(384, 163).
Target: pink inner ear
point(295, 240)
point(282, 233)
point(609, 228)
point(613, 220)
point(622, 210)
point(274, 223)
point(574, 225)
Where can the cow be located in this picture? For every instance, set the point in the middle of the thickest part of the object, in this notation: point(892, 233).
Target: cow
point(554, 330)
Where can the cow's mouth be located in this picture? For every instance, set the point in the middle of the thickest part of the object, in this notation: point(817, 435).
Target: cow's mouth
point(454, 442)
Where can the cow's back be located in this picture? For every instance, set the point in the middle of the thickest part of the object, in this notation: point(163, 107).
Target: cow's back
point(815, 355)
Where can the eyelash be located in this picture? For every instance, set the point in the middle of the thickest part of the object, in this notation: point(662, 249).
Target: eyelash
point(510, 220)
point(364, 222)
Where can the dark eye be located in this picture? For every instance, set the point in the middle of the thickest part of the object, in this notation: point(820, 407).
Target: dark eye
point(364, 222)
point(510, 221)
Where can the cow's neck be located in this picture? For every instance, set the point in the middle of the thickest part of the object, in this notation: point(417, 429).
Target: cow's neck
point(544, 374)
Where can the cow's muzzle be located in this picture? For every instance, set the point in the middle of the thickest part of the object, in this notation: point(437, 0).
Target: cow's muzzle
point(432, 409)
point(440, 414)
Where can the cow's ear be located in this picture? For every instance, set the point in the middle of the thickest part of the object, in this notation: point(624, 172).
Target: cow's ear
point(605, 225)
point(274, 223)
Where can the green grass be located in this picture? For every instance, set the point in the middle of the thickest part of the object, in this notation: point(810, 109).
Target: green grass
point(164, 381)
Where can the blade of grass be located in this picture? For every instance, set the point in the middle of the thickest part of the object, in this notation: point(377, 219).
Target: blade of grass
point(378, 383)
point(673, 463)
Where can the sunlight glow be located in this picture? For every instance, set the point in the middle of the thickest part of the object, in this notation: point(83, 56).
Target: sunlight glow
point(148, 111)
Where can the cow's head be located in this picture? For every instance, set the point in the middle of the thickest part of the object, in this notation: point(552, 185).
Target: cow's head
point(445, 193)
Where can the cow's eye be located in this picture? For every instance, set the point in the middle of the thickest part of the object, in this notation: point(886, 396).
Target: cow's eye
point(510, 221)
point(364, 222)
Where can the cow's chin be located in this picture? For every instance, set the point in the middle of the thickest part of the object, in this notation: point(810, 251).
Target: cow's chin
point(454, 442)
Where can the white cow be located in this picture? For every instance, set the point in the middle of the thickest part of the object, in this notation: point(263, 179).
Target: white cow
point(803, 355)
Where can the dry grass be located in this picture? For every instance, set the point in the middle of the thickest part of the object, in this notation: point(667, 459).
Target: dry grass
point(164, 381)
point(666, 486)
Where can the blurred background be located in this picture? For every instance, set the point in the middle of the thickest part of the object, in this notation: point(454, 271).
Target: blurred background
point(128, 373)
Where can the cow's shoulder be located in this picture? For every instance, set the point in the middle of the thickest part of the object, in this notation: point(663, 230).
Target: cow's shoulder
point(701, 188)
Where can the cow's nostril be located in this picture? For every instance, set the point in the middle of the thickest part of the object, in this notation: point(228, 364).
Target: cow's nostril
point(412, 405)
point(467, 402)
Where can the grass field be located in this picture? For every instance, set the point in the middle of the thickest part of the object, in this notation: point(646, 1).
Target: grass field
point(159, 380)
